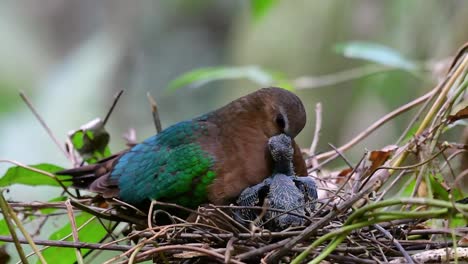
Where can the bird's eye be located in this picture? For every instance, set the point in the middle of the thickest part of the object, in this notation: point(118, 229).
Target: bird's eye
point(280, 121)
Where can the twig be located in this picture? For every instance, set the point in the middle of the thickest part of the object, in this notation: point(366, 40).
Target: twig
point(307, 82)
point(378, 124)
point(154, 110)
point(229, 249)
point(262, 250)
point(207, 252)
point(340, 234)
point(137, 248)
point(347, 161)
point(128, 205)
point(373, 176)
point(413, 165)
point(417, 116)
point(111, 217)
point(69, 244)
point(114, 103)
point(14, 236)
point(318, 127)
point(437, 104)
point(79, 257)
point(346, 181)
point(227, 236)
point(396, 243)
point(26, 235)
point(345, 259)
point(379, 246)
point(393, 183)
point(442, 255)
point(43, 123)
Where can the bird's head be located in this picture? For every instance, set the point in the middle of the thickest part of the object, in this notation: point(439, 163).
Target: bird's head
point(285, 110)
point(281, 149)
point(272, 110)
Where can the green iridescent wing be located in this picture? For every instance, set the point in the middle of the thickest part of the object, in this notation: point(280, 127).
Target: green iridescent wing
point(170, 166)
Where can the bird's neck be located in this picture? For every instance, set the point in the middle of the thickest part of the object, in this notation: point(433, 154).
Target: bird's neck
point(284, 167)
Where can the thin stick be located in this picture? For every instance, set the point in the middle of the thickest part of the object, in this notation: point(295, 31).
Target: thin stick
point(61, 240)
point(43, 123)
point(79, 257)
point(69, 244)
point(26, 234)
point(14, 236)
point(396, 243)
point(417, 116)
point(318, 127)
point(154, 110)
point(205, 251)
point(378, 124)
point(308, 82)
point(437, 104)
point(346, 160)
point(413, 165)
point(114, 103)
point(229, 249)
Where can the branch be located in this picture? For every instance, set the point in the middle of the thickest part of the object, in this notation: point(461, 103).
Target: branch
point(43, 124)
point(70, 244)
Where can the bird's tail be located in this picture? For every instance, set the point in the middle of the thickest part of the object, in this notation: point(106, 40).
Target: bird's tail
point(81, 177)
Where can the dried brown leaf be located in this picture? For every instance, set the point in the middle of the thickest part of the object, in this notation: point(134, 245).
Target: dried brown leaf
point(462, 114)
point(379, 157)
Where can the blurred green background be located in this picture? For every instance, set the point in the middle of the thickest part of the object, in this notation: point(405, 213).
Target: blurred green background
point(71, 57)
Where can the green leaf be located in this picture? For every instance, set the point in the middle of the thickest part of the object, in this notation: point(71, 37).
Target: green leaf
point(21, 175)
point(93, 232)
point(440, 192)
point(91, 141)
point(411, 132)
point(3, 230)
point(408, 190)
point(458, 221)
point(261, 7)
point(437, 188)
point(199, 77)
point(375, 53)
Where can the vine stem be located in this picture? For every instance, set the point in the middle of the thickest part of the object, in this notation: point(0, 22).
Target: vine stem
point(377, 124)
point(340, 234)
point(436, 106)
point(9, 224)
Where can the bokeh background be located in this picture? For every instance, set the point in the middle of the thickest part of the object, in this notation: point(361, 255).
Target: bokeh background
point(71, 57)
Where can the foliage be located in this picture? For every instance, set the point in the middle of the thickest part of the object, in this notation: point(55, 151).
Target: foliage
point(376, 53)
point(33, 175)
point(256, 74)
point(90, 230)
point(261, 7)
point(91, 141)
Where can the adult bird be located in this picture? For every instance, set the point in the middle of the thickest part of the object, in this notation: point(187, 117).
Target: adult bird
point(210, 158)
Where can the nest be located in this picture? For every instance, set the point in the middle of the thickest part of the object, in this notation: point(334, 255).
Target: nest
point(360, 218)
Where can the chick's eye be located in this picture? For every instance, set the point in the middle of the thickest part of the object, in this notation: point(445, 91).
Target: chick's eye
point(280, 121)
